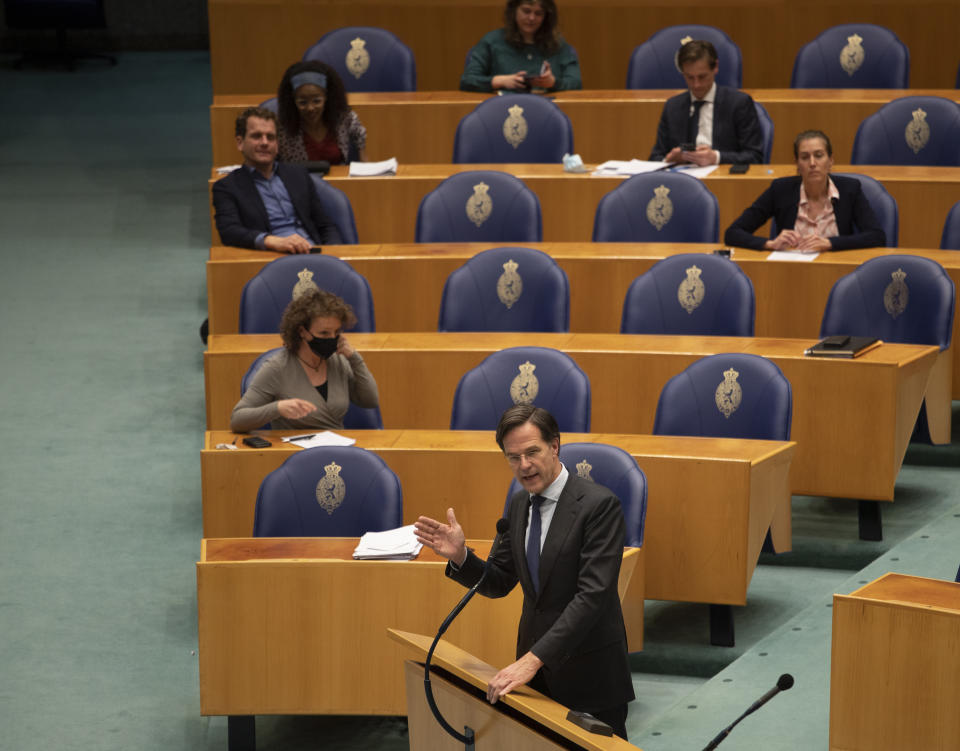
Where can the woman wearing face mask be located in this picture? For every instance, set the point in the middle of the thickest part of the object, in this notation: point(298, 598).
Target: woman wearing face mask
point(311, 383)
point(315, 122)
point(528, 52)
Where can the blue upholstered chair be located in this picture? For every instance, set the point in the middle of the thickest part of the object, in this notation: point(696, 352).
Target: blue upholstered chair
point(520, 128)
point(658, 207)
point(506, 289)
point(895, 298)
point(270, 104)
point(613, 468)
point(337, 206)
point(950, 240)
point(329, 491)
point(726, 396)
point(853, 56)
point(523, 375)
point(911, 130)
point(692, 294)
point(883, 204)
point(653, 64)
point(367, 58)
point(266, 296)
point(766, 130)
point(356, 418)
point(479, 206)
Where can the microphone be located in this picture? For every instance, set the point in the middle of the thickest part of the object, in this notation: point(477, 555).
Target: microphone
point(784, 682)
point(466, 738)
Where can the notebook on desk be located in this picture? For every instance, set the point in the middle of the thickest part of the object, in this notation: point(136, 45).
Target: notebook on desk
point(843, 346)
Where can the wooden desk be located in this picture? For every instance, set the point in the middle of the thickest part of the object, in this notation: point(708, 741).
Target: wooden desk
point(253, 41)
point(385, 208)
point(695, 487)
point(283, 631)
point(418, 127)
point(407, 282)
point(895, 668)
point(844, 450)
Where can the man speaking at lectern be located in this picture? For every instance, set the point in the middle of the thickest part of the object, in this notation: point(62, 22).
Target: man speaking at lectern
point(564, 544)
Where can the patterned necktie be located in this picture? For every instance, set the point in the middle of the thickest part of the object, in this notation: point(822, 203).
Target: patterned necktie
point(693, 124)
point(533, 542)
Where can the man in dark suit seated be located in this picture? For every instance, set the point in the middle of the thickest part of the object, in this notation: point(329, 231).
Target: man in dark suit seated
point(709, 124)
point(267, 204)
point(564, 545)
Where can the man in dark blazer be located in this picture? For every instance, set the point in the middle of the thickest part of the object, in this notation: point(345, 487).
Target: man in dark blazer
point(719, 121)
point(267, 204)
point(571, 641)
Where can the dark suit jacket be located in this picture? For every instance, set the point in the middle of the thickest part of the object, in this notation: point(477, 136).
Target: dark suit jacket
point(575, 625)
point(240, 214)
point(736, 128)
point(856, 222)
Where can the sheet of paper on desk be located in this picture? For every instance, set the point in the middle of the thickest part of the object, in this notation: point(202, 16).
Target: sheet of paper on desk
point(392, 545)
point(791, 255)
point(697, 172)
point(372, 169)
point(326, 438)
point(615, 167)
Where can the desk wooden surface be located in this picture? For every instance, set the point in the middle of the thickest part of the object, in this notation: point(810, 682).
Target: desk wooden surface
point(843, 449)
point(895, 666)
point(385, 208)
point(418, 127)
point(695, 487)
point(407, 282)
point(276, 614)
point(253, 41)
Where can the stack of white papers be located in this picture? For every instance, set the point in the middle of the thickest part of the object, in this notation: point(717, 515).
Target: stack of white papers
point(791, 255)
point(326, 438)
point(393, 545)
point(615, 167)
point(372, 169)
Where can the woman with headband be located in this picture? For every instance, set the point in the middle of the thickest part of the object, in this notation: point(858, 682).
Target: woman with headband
point(316, 123)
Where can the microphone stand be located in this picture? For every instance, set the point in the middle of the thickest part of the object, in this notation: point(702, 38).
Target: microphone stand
point(466, 737)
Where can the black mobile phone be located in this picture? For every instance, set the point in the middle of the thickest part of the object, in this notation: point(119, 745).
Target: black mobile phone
point(739, 169)
point(256, 442)
point(688, 147)
point(316, 249)
point(722, 252)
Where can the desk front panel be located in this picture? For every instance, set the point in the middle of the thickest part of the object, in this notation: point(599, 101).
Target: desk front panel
point(419, 127)
point(407, 282)
point(844, 449)
point(695, 487)
point(283, 630)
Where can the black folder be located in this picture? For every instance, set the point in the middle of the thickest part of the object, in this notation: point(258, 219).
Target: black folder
point(843, 346)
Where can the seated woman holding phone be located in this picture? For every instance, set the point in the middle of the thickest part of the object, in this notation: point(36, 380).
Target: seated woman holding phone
point(813, 210)
point(527, 54)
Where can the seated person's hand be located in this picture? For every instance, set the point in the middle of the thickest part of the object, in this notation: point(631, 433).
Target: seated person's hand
point(294, 409)
point(702, 157)
point(674, 156)
point(290, 244)
point(343, 347)
point(511, 81)
point(786, 240)
point(546, 80)
point(813, 244)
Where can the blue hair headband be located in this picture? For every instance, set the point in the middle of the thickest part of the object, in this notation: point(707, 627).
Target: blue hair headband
point(309, 76)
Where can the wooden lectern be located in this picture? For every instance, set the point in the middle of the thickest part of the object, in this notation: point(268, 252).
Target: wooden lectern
point(895, 669)
point(523, 720)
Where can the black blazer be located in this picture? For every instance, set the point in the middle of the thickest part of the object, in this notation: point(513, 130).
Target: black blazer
point(240, 214)
point(856, 222)
point(575, 625)
point(736, 127)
